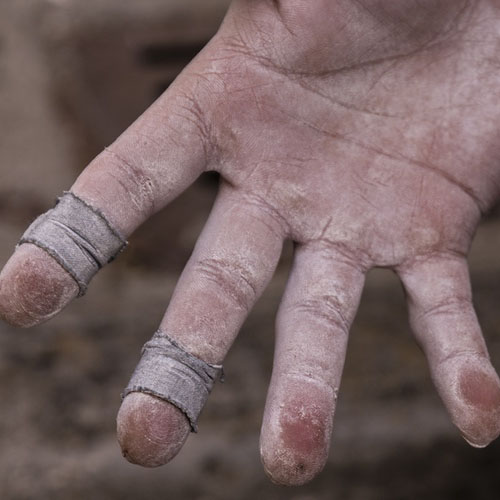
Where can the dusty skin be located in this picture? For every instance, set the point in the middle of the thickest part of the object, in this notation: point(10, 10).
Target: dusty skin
point(367, 132)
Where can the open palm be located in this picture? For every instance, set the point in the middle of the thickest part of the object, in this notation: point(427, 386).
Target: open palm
point(368, 132)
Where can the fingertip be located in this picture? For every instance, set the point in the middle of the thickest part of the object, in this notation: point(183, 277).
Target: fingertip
point(285, 469)
point(479, 445)
point(295, 438)
point(151, 432)
point(481, 435)
point(470, 389)
point(479, 392)
point(33, 287)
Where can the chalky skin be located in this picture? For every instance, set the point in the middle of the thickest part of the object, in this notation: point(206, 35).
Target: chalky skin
point(366, 131)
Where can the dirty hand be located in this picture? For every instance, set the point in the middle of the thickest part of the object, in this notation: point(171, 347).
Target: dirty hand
point(365, 131)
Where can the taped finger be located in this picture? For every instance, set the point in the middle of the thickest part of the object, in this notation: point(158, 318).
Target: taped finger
point(158, 157)
point(232, 263)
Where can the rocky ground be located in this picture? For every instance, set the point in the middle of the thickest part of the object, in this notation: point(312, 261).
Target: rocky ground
point(72, 75)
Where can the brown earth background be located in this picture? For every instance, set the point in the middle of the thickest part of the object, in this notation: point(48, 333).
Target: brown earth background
point(73, 74)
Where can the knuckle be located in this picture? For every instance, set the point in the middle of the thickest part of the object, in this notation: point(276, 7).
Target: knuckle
point(190, 110)
point(326, 308)
point(313, 374)
point(466, 355)
point(456, 305)
point(267, 213)
point(138, 185)
point(230, 278)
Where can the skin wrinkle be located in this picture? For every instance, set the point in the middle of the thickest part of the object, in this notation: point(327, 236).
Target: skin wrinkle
point(353, 257)
point(463, 354)
point(448, 255)
point(223, 274)
point(356, 138)
point(316, 375)
point(277, 6)
point(450, 305)
point(277, 228)
point(337, 102)
point(253, 199)
point(464, 188)
point(326, 308)
point(354, 107)
point(365, 60)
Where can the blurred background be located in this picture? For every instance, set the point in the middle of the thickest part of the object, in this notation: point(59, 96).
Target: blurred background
point(73, 75)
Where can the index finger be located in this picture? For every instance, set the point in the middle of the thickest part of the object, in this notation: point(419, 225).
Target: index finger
point(152, 162)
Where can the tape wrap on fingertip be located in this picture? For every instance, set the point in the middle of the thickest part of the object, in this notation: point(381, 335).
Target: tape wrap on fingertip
point(170, 373)
point(77, 236)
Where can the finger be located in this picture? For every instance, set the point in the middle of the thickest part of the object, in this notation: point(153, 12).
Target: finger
point(232, 263)
point(313, 322)
point(445, 324)
point(161, 154)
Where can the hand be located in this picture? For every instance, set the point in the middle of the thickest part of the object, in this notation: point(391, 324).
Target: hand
point(367, 132)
